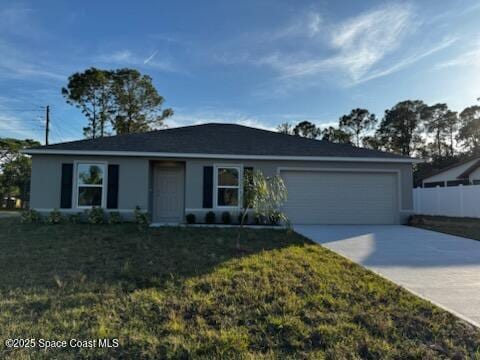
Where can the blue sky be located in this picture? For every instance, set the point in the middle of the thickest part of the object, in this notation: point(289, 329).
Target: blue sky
point(257, 63)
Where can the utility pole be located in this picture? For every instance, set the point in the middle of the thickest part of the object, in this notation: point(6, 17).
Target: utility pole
point(47, 123)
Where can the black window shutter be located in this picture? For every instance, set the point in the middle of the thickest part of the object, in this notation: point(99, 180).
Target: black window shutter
point(247, 170)
point(207, 187)
point(66, 186)
point(112, 188)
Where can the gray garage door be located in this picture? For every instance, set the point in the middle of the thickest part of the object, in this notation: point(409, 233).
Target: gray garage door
point(324, 197)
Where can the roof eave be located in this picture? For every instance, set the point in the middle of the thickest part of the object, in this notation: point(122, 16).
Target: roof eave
point(217, 156)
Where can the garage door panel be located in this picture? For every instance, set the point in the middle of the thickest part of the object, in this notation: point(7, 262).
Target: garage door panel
point(320, 197)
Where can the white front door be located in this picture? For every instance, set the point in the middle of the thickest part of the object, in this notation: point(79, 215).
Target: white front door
point(168, 194)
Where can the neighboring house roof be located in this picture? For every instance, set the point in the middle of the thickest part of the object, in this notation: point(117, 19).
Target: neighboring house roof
point(215, 139)
point(472, 168)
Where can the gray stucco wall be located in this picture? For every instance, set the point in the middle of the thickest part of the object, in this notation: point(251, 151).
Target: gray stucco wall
point(135, 178)
point(46, 180)
point(194, 177)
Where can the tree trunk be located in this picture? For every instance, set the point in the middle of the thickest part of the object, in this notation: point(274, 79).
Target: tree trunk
point(237, 243)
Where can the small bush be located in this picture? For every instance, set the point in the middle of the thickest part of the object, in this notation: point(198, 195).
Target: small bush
point(240, 217)
point(115, 218)
point(75, 218)
point(260, 219)
point(275, 218)
point(210, 217)
point(141, 218)
point(29, 216)
point(95, 215)
point(55, 217)
point(226, 218)
point(190, 218)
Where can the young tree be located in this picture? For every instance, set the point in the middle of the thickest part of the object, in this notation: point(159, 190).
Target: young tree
point(138, 104)
point(285, 128)
point(306, 129)
point(91, 92)
point(264, 196)
point(469, 132)
point(357, 122)
point(399, 129)
point(335, 135)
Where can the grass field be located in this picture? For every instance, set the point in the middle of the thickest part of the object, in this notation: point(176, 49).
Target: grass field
point(188, 293)
point(465, 227)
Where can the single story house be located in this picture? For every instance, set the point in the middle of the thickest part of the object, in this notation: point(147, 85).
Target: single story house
point(462, 173)
point(196, 169)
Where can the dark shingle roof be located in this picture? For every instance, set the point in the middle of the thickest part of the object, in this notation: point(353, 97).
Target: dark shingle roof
point(470, 169)
point(217, 138)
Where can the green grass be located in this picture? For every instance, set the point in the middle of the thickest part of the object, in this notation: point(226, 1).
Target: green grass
point(187, 293)
point(465, 227)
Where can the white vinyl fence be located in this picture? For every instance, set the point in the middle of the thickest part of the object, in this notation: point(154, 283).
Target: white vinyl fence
point(460, 201)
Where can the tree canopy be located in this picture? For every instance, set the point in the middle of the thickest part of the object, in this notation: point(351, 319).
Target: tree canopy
point(469, 132)
point(123, 100)
point(335, 135)
point(306, 129)
point(399, 130)
point(138, 104)
point(15, 168)
point(91, 92)
point(357, 123)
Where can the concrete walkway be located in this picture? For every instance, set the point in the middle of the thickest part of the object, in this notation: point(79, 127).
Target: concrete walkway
point(444, 269)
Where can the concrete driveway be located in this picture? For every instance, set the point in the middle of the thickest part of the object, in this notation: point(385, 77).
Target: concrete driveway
point(444, 269)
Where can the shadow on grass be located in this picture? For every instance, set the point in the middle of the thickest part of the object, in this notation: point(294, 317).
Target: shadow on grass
point(54, 256)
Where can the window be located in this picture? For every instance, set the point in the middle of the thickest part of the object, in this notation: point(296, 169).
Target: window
point(90, 184)
point(476, 182)
point(228, 186)
point(434, 184)
point(458, 182)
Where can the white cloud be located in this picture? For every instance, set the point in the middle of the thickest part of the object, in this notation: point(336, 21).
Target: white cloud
point(13, 126)
point(358, 44)
point(128, 58)
point(353, 51)
point(16, 21)
point(306, 24)
point(408, 61)
point(17, 64)
point(150, 58)
point(468, 58)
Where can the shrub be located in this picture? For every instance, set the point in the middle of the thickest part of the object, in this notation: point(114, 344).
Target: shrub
point(226, 218)
point(141, 218)
point(190, 218)
point(275, 218)
point(75, 218)
point(240, 217)
point(55, 217)
point(95, 216)
point(29, 216)
point(115, 218)
point(260, 219)
point(210, 217)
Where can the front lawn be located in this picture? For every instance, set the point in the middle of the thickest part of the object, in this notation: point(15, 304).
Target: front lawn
point(465, 227)
point(187, 293)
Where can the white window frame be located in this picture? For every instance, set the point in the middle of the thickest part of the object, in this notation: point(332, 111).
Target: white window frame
point(237, 167)
point(76, 185)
